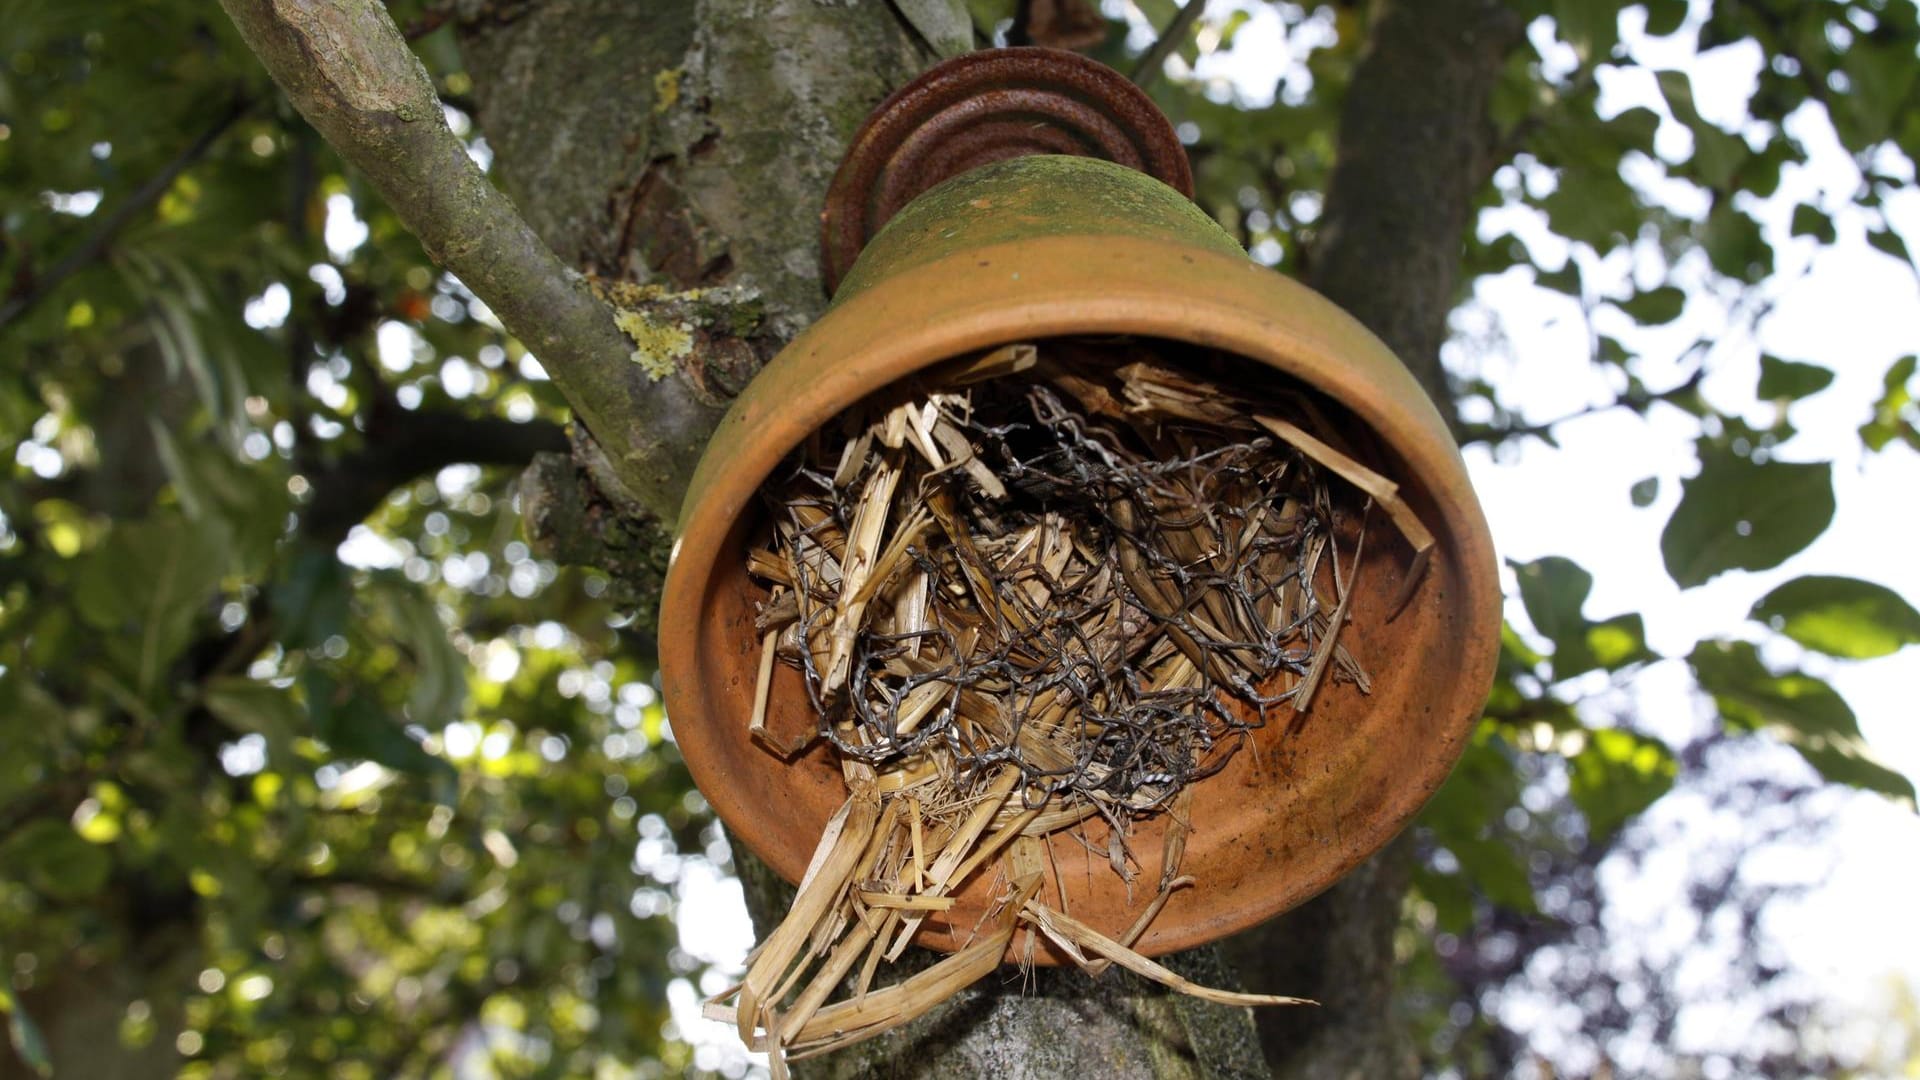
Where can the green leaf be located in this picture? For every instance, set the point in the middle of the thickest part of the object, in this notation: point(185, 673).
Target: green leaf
point(1451, 896)
point(439, 684)
point(1498, 871)
point(1796, 708)
point(310, 600)
point(1665, 17)
point(1846, 759)
point(1656, 307)
point(1840, 616)
point(1738, 515)
point(261, 708)
point(1751, 698)
point(1882, 75)
point(1513, 95)
point(1614, 643)
point(49, 856)
point(248, 500)
point(1717, 155)
point(25, 1035)
point(29, 721)
point(353, 725)
point(186, 486)
point(1760, 173)
point(1616, 775)
point(1788, 380)
point(145, 586)
point(1592, 27)
point(1597, 207)
point(1644, 492)
point(1553, 590)
point(1466, 812)
point(1564, 280)
point(1735, 245)
point(1809, 220)
point(1231, 28)
point(1889, 242)
point(1891, 419)
point(1515, 654)
point(1631, 129)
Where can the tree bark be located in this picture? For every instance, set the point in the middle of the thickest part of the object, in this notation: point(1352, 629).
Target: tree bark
point(1415, 138)
point(81, 1010)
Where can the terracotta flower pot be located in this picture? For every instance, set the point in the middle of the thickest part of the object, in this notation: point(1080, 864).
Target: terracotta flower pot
point(1040, 247)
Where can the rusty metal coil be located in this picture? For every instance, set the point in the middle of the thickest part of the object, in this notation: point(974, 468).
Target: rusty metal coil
point(985, 107)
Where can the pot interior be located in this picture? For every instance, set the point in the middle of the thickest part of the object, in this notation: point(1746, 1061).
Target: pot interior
point(1305, 797)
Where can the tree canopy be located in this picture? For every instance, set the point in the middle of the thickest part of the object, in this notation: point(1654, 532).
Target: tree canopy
point(330, 735)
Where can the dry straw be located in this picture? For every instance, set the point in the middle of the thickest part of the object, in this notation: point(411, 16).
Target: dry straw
point(1036, 587)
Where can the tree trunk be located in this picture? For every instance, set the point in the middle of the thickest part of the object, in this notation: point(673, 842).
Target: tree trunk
point(83, 1009)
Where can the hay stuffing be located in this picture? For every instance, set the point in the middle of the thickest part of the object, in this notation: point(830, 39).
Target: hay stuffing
point(1028, 589)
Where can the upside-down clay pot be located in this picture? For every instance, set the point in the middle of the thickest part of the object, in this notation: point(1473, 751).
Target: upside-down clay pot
point(1042, 247)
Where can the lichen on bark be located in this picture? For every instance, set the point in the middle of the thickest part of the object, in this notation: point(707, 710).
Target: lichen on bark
point(715, 338)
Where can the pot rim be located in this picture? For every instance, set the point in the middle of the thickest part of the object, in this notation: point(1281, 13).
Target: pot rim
point(1043, 288)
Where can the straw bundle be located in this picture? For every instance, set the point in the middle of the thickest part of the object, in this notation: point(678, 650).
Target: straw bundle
point(1029, 589)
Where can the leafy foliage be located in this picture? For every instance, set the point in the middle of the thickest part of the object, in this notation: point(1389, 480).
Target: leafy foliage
point(1619, 774)
point(1790, 380)
point(1553, 591)
point(1802, 711)
point(1896, 416)
point(359, 810)
point(412, 798)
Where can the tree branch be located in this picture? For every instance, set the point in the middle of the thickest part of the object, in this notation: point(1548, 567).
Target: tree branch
point(401, 447)
point(1414, 138)
point(1155, 58)
point(348, 70)
point(110, 225)
point(412, 444)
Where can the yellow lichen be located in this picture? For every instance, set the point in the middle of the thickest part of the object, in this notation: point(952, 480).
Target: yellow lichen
point(633, 294)
point(656, 344)
point(666, 89)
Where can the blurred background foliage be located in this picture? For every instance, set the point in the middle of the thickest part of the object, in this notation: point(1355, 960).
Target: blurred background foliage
point(310, 765)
